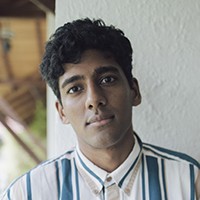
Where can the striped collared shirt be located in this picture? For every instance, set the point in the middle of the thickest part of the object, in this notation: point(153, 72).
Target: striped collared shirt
point(149, 173)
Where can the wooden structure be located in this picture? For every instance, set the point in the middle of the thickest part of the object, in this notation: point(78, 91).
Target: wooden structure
point(22, 40)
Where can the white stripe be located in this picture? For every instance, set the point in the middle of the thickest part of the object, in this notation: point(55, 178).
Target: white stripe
point(146, 179)
point(161, 178)
point(161, 153)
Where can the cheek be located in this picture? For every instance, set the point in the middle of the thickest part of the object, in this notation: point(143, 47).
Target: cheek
point(120, 99)
point(73, 109)
point(122, 107)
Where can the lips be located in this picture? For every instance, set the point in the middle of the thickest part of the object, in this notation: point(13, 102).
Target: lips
point(99, 120)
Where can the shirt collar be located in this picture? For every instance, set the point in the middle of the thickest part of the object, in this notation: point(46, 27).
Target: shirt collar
point(96, 177)
point(125, 169)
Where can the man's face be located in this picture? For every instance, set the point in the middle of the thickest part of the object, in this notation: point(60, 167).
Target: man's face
point(97, 101)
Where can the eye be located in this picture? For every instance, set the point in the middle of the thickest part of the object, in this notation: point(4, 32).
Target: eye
point(74, 90)
point(107, 79)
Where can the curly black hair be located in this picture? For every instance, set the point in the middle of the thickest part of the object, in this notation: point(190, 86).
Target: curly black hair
point(69, 41)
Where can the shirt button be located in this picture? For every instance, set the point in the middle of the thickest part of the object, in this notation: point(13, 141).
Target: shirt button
point(109, 179)
point(127, 190)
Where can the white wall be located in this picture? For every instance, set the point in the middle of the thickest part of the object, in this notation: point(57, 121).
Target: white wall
point(166, 41)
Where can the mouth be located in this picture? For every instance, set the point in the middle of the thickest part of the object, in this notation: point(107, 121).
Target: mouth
point(100, 120)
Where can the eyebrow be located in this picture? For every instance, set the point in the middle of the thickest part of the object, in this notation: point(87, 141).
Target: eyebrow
point(105, 69)
point(71, 80)
point(99, 71)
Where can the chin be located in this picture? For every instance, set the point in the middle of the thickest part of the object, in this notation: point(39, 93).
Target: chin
point(106, 143)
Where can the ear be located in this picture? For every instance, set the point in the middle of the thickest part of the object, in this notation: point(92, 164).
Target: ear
point(136, 99)
point(61, 113)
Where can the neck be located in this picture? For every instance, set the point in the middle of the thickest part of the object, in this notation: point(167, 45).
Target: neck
point(110, 158)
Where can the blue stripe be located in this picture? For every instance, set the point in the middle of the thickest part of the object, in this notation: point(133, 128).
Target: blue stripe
point(67, 193)
point(28, 185)
point(192, 182)
point(103, 191)
point(143, 180)
point(124, 177)
point(90, 171)
point(57, 179)
point(163, 178)
point(153, 174)
point(77, 182)
point(177, 154)
point(8, 194)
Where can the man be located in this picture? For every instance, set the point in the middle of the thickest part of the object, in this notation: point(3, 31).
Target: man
point(88, 66)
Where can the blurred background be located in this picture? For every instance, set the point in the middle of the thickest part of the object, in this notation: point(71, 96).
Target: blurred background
point(23, 33)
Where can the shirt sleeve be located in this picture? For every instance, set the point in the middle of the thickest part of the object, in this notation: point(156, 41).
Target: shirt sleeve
point(16, 191)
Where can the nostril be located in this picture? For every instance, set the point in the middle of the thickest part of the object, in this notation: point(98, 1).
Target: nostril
point(90, 106)
point(96, 105)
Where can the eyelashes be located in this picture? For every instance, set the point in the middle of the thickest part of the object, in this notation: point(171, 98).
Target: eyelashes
point(74, 89)
point(104, 81)
point(107, 80)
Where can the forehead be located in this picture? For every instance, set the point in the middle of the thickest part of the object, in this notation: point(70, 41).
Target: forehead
point(90, 61)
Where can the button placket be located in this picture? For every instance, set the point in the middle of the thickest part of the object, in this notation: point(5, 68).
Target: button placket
point(112, 192)
point(111, 189)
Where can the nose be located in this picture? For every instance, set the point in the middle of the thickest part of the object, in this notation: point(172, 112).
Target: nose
point(95, 97)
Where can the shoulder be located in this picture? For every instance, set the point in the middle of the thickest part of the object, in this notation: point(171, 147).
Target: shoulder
point(175, 172)
point(42, 174)
point(68, 156)
point(169, 155)
point(50, 166)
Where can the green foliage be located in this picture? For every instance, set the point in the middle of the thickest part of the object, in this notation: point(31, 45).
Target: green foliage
point(38, 126)
point(18, 160)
